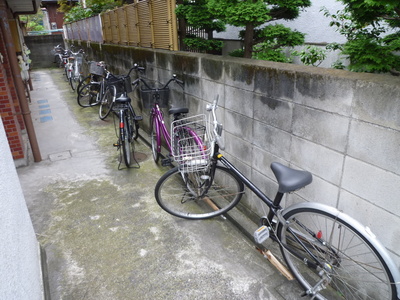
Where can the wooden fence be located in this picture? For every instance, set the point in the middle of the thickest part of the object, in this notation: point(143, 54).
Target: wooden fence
point(145, 23)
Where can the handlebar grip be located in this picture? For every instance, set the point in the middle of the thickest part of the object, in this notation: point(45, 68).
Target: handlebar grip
point(220, 142)
point(179, 81)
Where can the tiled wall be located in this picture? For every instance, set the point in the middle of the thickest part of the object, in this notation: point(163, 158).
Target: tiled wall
point(9, 108)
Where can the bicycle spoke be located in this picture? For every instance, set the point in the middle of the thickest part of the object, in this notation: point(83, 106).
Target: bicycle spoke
point(347, 264)
point(195, 196)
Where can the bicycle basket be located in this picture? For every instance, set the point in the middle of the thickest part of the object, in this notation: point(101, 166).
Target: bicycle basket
point(79, 59)
point(121, 83)
point(151, 96)
point(190, 142)
point(96, 69)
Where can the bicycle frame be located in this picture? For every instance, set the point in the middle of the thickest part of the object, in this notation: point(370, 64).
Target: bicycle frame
point(275, 209)
point(274, 205)
point(158, 119)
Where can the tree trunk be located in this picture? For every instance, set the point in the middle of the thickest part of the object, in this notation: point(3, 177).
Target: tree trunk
point(181, 30)
point(210, 34)
point(248, 41)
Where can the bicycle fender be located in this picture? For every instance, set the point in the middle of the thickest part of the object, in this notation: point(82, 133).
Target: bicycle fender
point(364, 230)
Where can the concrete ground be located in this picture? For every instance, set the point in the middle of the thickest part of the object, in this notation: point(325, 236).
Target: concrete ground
point(104, 235)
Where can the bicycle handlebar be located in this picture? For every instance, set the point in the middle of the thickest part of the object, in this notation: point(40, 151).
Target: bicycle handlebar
point(217, 127)
point(135, 67)
point(180, 82)
point(176, 80)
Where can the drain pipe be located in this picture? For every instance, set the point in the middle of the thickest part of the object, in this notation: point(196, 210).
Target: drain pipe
point(19, 85)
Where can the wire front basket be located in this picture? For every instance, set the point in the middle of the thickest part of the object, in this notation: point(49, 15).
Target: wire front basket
point(79, 58)
point(151, 96)
point(96, 68)
point(122, 83)
point(190, 143)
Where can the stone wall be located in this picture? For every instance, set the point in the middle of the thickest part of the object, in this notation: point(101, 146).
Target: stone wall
point(343, 127)
point(41, 47)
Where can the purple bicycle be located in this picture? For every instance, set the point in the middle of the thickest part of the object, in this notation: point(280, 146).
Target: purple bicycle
point(155, 99)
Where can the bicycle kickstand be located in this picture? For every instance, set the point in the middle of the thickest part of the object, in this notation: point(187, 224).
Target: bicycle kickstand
point(166, 161)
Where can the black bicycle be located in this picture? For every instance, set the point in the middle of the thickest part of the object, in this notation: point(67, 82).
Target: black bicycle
point(60, 56)
point(127, 128)
point(331, 255)
point(93, 88)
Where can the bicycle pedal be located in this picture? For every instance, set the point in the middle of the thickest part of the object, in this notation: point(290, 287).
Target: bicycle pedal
point(138, 118)
point(261, 234)
point(116, 145)
point(166, 162)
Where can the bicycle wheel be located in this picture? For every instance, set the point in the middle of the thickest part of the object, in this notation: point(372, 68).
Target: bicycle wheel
point(88, 95)
point(133, 124)
point(107, 102)
point(196, 195)
point(353, 267)
point(126, 141)
point(154, 138)
point(58, 60)
point(67, 72)
point(84, 82)
point(74, 80)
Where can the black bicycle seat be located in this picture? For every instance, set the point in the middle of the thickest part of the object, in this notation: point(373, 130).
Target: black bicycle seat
point(290, 179)
point(178, 110)
point(123, 99)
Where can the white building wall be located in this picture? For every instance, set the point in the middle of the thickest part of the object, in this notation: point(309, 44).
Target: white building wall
point(311, 21)
point(20, 276)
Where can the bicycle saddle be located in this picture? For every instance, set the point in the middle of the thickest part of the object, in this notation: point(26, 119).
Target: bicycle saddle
point(178, 110)
point(290, 179)
point(123, 99)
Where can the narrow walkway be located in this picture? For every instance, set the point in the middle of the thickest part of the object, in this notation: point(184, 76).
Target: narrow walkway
point(105, 236)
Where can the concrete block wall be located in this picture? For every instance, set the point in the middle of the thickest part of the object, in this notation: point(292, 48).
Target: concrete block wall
point(343, 127)
point(41, 47)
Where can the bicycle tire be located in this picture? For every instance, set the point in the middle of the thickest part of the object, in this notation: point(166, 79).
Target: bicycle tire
point(154, 139)
point(89, 95)
point(174, 193)
point(66, 72)
point(58, 60)
point(84, 82)
point(107, 102)
point(126, 142)
point(356, 267)
point(70, 79)
point(74, 80)
point(133, 124)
